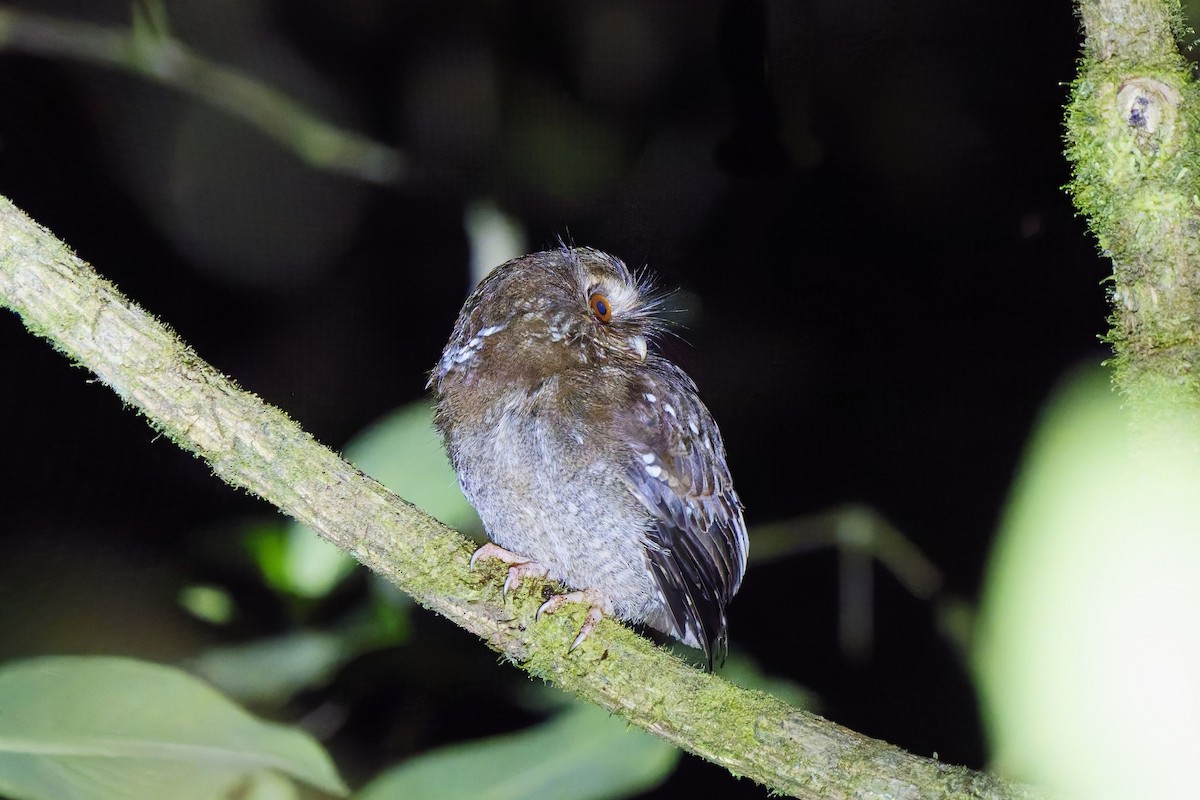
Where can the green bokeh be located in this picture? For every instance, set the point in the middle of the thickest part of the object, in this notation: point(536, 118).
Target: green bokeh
point(1089, 649)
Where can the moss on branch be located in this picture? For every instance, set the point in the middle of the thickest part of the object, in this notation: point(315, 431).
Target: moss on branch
point(255, 446)
point(1132, 128)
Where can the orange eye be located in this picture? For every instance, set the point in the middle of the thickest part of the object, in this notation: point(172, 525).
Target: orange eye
point(601, 307)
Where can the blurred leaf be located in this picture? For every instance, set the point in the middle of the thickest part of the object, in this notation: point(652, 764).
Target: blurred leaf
point(311, 565)
point(209, 603)
point(403, 452)
point(149, 23)
point(95, 727)
point(267, 544)
point(495, 237)
point(295, 561)
point(390, 608)
point(1089, 650)
point(580, 754)
point(272, 670)
point(266, 786)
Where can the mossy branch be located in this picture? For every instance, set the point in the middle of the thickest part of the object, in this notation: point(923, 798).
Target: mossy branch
point(1132, 128)
point(255, 446)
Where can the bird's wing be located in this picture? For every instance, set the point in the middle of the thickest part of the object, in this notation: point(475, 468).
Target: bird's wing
point(697, 542)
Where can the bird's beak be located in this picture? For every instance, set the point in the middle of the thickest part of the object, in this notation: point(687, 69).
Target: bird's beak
point(639, 346)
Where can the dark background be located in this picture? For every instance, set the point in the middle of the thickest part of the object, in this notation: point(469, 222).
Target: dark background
point(860, 202)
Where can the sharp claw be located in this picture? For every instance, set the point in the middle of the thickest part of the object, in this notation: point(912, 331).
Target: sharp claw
point(594, 616)
point(548, 607)
point(598, 606)
point(511, 582)
point(519, 567)
point(489, 550)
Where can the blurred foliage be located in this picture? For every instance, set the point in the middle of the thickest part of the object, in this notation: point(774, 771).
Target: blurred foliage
point(209, 603)
point(581, 753)
point(672, 130)
point(117, 729)
point(1088, 650)
point(404, 453)
point(272, 670)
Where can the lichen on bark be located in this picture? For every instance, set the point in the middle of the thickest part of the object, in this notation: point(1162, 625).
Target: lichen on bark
point(1132, 126)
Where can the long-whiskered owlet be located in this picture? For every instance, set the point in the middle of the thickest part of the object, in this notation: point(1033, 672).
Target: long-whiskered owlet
point(588, 455)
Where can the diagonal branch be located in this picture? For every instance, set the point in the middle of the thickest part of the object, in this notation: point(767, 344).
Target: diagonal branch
point(149, 51)
point(255, 446)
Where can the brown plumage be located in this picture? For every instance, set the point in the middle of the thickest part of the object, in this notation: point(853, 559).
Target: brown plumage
point(586, 451)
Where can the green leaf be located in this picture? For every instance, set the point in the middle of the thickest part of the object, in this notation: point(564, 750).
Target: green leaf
point(404, 453)
point(1088, 649)
point(209, 603)
point(580, 754)
point(150, 25)
point(273, 669)
point(99, 728)
point(312, 566)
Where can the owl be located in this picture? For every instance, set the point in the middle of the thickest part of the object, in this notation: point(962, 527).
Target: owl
point(588, 455)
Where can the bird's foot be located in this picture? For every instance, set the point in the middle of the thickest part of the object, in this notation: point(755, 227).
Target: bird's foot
point(598, 607)
point(519, 566)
